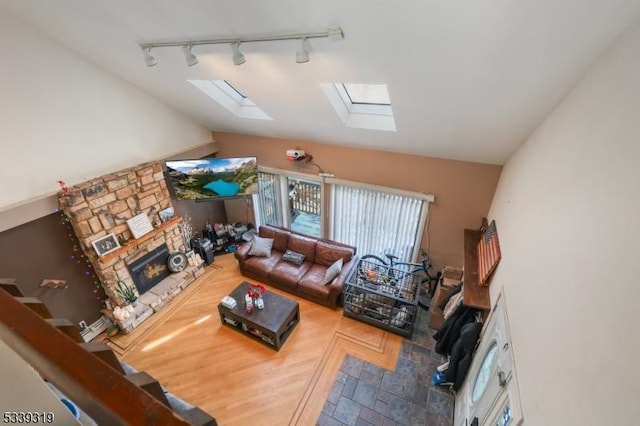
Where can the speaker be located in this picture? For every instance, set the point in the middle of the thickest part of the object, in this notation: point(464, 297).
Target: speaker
point(204, 248)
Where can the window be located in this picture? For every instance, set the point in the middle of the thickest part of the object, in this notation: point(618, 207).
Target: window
point(305, 206)
point(289, 199)
point(231, 98)
point(364, 106)
point(267, 200)
point(378, 220)
point(369, 94)
point(233, 92)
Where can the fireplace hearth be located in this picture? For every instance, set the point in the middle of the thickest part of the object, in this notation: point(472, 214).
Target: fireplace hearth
point(150, 269)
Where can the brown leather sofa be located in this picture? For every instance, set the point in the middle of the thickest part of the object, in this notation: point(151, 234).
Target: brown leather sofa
point(305, 280)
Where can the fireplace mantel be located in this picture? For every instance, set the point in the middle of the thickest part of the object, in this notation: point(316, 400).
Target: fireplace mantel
point(132, 244)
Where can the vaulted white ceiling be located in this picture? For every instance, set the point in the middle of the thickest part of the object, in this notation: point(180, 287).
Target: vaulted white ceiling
point(467, 80)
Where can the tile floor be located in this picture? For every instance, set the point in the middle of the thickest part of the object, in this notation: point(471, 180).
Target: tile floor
point(364, 394)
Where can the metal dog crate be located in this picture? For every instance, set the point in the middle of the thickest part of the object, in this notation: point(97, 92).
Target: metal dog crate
point(384, 297)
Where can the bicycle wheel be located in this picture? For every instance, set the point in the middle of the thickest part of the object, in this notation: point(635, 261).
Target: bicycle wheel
point(370, 267)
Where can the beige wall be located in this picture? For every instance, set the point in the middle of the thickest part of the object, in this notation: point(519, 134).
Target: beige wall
point(568, 216)
point(463, 190)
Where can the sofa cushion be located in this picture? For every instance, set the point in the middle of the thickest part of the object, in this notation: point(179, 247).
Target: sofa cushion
point(288, 274)
point(312, 282)
point(261, 247)
point(261, 266)
point(303, 245)
point(293, 257)
point(327, 253)
point(280, 236)
point(333, 271)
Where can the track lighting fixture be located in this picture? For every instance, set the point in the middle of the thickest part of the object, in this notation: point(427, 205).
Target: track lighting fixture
point(148, 58)
point(238, 57)
point(302, 55)
point(188, 56)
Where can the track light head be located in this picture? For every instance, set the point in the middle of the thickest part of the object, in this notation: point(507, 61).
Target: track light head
point(302, 55)
point(335, 34)
point(189, 56)
point(149, 60)
point(238, 57)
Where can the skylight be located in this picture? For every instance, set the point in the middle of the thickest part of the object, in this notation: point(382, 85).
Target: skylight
point(230, 97)
point(233, 91)
point(369, 94)
point(363, 106)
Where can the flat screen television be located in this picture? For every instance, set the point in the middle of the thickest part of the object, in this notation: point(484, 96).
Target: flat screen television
point(213, 178)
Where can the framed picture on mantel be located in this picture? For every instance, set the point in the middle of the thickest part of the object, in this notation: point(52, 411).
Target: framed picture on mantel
point(106, 244)
point(139, 225)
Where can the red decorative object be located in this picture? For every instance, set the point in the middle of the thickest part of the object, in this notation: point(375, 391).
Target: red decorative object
point(63, 188)
point(256, 290)
point(489, 254)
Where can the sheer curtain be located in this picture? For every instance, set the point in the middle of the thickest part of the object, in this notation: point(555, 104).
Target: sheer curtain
point(378, 220)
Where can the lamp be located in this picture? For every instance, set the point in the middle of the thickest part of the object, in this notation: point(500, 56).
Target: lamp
point(188, 56)
point(238, 58)
point(149, 60)
point(302, 55)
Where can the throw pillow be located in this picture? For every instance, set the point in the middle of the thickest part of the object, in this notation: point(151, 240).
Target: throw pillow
point(293, 257)
point(333, 271)
point(261, 246)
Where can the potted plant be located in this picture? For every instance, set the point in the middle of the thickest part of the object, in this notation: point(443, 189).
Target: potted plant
point(126, 293)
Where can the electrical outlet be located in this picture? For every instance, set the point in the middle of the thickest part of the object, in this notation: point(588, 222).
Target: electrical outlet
point(83, 325)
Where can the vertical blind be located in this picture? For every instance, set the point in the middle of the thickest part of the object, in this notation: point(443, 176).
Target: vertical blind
point(376, 222)
point(269, 211)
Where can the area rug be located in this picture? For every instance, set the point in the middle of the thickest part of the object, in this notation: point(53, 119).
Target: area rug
point(121, 343)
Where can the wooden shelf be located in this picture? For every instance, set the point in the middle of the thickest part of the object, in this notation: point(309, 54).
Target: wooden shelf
point(473, 294)
point(132, 244)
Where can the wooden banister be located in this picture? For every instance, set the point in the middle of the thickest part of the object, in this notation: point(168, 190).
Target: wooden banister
point(104, 352)
point(35, 305)
point(145, 381)
point(66, 327)
point(98, 389)
point(10, 286)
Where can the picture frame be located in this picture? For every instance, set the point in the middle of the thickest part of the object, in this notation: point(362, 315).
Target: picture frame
point(105, 245)
point(166, 214)
point(139, 225)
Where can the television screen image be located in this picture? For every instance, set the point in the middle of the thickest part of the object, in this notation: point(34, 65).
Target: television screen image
point(209, 178)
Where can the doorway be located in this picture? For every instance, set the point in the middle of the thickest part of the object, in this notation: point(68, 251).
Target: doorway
point(490, 393)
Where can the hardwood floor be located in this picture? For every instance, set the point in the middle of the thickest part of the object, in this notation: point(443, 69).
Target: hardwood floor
point(240, 381)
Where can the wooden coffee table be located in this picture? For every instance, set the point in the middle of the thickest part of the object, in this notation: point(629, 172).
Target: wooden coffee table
point(271, 325)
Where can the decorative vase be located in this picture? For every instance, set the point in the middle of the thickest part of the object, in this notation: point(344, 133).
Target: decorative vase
point(259, 303)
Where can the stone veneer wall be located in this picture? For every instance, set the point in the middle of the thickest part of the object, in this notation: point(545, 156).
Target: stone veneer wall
point(103, 205)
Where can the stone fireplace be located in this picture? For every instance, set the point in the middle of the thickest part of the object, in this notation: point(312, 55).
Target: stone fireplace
point(102, 206)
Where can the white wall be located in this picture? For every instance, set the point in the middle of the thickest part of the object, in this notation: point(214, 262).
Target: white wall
point(22, 389)
point(567, 209)
point(64, 118)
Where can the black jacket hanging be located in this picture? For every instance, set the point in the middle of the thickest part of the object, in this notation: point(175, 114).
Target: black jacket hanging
point(462, 354)
point(450, 330)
